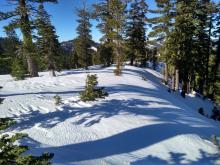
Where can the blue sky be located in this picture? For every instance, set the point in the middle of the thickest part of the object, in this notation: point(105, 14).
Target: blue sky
point(63, 17)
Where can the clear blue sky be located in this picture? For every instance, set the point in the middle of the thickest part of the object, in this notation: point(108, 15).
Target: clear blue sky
point(63, 17)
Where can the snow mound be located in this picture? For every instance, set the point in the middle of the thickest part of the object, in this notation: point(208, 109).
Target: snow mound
point(138, 123)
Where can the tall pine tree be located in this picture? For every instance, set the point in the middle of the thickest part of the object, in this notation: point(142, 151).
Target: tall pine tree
point(47, 41)
point(20, 18)
point(10, 47)
point(103, 14)
point(202, 44)
point(162, 24)
point(83, 42)
point(180, 42)
point(117, 23)
point(216, 67)
point(136, 35)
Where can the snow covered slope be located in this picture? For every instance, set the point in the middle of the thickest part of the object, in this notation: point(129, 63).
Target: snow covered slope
point(139, 123)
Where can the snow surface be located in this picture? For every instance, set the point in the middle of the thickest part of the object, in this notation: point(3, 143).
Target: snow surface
point(139, 123)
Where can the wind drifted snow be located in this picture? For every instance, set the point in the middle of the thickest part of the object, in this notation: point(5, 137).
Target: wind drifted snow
point(138, 123)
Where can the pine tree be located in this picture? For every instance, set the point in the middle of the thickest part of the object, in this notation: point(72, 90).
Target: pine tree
point(13, 154)
point(75, 59)
point(18, 69)
point(136, 32)
point(91, 90)
point(1, 99)
point(180, 43)
point(162, 25)
point(83, 42)
point(20, 18)
point(47, 41)
point(10, 47)
point(216, 66)
point(203, 17)
point(105, 54)
point(117, 23)
point(103, 14)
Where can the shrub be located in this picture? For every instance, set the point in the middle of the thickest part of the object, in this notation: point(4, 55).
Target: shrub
point(215, 114)
point(201, 111)
point(117, 71)
point(91, 91)
point(13, 154)
point(216, 141)
point(144, 78)
point(1, 100)
point(183, 94)
point(57, 99)
point(18, 70)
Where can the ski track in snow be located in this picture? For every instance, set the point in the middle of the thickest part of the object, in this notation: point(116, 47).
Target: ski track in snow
point(139, 123)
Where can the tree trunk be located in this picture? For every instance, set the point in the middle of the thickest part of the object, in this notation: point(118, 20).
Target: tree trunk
point(184, 88)
point(166, 74)
point(132, 60)
point(209, 51)
point(32, 67)
point(177, 80)
point(173, 80)
point(52, 73)
point(216, 91)
point(27, 39)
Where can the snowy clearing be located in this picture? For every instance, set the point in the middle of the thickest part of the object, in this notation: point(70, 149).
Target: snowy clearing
point(138, 123)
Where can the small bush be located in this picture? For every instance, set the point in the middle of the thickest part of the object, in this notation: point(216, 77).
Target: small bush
point(215, 114)
point(12, 154)
point(118, 72)
point(1, 100)
point(144, 78)
point(214, 140)
point(91, 90)
point(169, 90)
point(18, 70)
point(201, 111)
point(183, 94)
point(58, 100)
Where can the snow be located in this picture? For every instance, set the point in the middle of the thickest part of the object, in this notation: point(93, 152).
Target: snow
point(138, 123)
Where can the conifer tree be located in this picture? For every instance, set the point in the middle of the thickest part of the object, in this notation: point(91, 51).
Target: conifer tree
point(91, 91)
point(13, 154)
point(136, 32)
point(75, 59)
point(18, 69)
point(47, 41)
point(83, 42)
point(117, 23)
point(162, 25)
point(103, 14)
point(105, 54)
point(203, 17)
point(20, 18)
point(216, 66)
point(180, 43)
point(1, 99)
point(10, 47)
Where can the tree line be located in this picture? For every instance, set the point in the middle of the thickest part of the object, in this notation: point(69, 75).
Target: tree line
point(188, 30)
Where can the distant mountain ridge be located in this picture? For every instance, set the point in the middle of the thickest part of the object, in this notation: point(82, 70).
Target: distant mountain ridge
point(68, 46)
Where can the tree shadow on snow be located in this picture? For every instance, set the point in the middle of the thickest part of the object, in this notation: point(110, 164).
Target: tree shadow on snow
point(178, 158)
point(172, 121)
point(125, 142)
